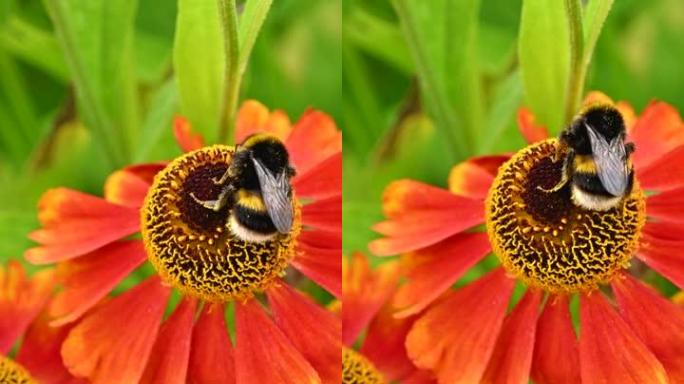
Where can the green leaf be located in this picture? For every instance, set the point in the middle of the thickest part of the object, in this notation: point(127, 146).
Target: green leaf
point(251, 20)
point(498, 133)
point(441, 36)
point(198, 60)
point(595, 14)
point(97, 40)
point(543, 51)
point(35, 46)
point(379, 38)
point(158, 119)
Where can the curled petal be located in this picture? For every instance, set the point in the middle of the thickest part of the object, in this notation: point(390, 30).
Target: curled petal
point(112, 344)
point(319, 257)
point(472, 317)
point(431, 271)
point(254, 117)
point(658, 131)
point(187, 140)
point(88, 279)
point(364, 291)
point(609, 350)
point(320, 344)
point(530, 130)
point(556, 356)
point(421, 215)
point(211, 354)
point(385, 345)
point(76, 223)
point(665, 173)
point(21, 300)
point(512, 357)
point(129, 186)
point(472, 178)
point(658, 322)
point(169, 358)
point(313, 139)
point(667, 206)
point(664, 256)
point(264, 354)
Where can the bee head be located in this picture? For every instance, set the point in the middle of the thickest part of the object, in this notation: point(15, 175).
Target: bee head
point(266, 149)
point(604, 119)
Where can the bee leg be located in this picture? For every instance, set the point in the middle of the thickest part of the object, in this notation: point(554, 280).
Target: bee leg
point(223, 178)
point(565, 175)
point(215, 205)
point(629, 148)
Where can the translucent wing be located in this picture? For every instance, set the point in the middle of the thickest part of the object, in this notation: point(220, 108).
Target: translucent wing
point(610, 161)
point(275, 190)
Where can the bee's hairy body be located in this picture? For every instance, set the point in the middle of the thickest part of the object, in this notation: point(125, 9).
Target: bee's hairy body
point(597, 165)
point(254, 163)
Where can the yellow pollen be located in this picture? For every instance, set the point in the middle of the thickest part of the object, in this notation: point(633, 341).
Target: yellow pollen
point(548, 242)
point(357, 369)
point(192, 247)
point(13, 373)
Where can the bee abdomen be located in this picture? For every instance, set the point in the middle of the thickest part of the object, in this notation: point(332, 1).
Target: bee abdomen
point(590, 183)
point(254, 220)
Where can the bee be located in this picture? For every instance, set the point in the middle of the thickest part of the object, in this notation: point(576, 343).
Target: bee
point(597, 164)
point(256, 187)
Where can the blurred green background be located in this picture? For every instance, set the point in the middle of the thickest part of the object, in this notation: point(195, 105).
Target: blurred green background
point(126, 47)
point(469, 49)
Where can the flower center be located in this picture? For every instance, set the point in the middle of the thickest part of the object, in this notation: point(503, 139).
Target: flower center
point(546, 240)
point(192, 247)
point(13, 373)
point(356, 369)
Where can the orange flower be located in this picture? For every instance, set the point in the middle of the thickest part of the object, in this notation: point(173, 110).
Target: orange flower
point(22, 317)
point(124, 339)
point(365, 306)
point(556, 250)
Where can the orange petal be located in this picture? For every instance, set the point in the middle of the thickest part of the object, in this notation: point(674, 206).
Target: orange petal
point(385, 344)
point(530, 130)
point(431, 271)
point(664, 256)
point(319, 257)
point(21, 299)
point(40, 352)
point(319, 344)
point(609, 350)
point(187, 140)
point(658, 323)
point(421, 215)
point(456, 337)
point(129, 186)
point(596, 97)
point(113, 343)
point(512, 357)
point(325, 214)
point(211, 355)
point(264, 354)
point(169, 358)
point(321, 181)
point(88, 279)
point(254, 117)
point(473, 177)
point(364, 291)
point(556, 357)
point(420, 377)
point(665, 173)
point(313, 139)
point(658, 131)
point(76, 223)
point(667, 205)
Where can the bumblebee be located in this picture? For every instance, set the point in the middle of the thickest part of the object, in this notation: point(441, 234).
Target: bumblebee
point(597, 165)
point(256, 187)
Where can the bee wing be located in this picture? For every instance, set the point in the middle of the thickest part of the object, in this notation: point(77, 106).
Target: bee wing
point(610, 162)
point(276, 194)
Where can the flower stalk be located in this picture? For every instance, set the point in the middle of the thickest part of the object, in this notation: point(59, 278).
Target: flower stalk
point(229, 23)
point(577, 73)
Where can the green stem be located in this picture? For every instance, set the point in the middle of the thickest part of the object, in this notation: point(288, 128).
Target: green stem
point(577, 73)
point(229, 21)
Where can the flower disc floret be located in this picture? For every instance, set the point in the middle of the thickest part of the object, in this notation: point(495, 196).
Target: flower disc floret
point(546, 240)
point(193, 248)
